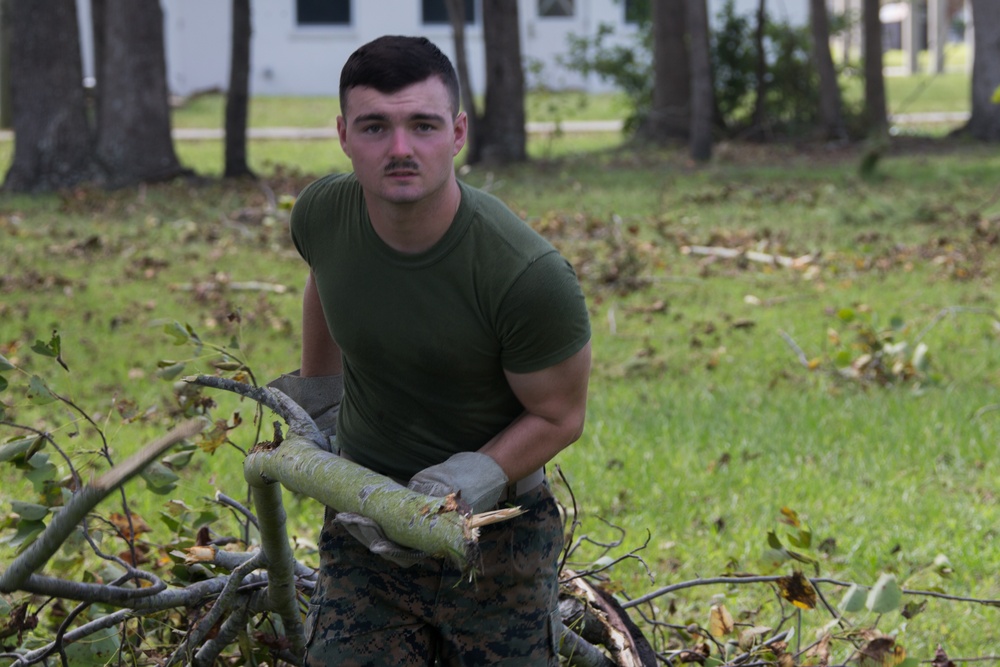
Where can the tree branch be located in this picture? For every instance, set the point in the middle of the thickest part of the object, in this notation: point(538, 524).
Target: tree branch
point(429, 524)
point(275, 546)
point(65, 522)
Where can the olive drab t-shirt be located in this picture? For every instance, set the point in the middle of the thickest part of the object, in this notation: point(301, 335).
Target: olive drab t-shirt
point(426, 337)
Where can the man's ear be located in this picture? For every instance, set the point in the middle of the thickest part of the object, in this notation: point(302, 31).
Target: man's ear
point(461, 131)
point(342, 134)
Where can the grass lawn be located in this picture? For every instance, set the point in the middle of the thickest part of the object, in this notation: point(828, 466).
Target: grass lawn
point(728, 397)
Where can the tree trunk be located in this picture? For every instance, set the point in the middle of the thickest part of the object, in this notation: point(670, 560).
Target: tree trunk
point(238, 95)
point(830, 104)
point(501, 134)
point(133, 126)
point(53, 142)
point(670, 115)
point(876, 119)
point(760, 128)
point(702, 97)
point(456, 15)
point(6, 111)
point(984, 122)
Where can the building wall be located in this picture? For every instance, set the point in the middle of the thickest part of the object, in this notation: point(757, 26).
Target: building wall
point(288, 59)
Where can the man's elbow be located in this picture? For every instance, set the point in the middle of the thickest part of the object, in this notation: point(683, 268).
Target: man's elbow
point(575, 426)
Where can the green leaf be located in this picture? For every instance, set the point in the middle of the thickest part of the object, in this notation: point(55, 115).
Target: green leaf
point(38, 392)
point(885, 595)
point(3, 383)
point(177, 332)
point(846, 314)
point(773, 541)
point(802, 538)
point(16, 449)
point(773, 558)
point(50, 349)
point(854, 599)
point(170, 372)
point(42, 472)
point(172, 524)
point(179, 460)
point(159, 476)
point(98, 650)
point(28, 511)
point(5, 365)
point(26, 533)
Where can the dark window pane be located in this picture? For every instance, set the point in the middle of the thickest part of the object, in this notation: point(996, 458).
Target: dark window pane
point(323, 12)
point(555, 8)
point(434, 11)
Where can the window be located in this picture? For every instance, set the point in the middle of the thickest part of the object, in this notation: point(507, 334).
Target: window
point(323, 12)
point(555, 8)
point(434, 11)
point(637, 11)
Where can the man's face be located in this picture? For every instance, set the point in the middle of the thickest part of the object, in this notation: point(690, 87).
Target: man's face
point(402, 145)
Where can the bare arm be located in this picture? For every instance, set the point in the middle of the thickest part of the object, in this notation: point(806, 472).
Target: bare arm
point(320, 353)
point(555, 406)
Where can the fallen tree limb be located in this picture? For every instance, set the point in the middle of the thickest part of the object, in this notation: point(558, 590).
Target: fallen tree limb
point(751, 255)
point(299, 462)
point(83, 501)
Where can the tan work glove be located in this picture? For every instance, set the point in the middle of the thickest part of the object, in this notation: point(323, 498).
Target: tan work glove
point(320, 397)
point(477, 478)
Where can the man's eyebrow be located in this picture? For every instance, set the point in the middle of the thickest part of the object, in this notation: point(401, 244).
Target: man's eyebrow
point(381, 118)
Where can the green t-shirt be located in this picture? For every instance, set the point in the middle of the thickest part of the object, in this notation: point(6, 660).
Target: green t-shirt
point(426, 337)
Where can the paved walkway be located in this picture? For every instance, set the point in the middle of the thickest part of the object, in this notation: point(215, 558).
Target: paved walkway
point(205, 134)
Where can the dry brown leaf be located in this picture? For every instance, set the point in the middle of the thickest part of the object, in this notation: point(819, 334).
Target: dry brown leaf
point(797, 590)
point(720, 621)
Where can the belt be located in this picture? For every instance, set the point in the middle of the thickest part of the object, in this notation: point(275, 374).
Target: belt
point(522, 486)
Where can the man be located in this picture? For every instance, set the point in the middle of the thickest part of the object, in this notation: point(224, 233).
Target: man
point(463, 342)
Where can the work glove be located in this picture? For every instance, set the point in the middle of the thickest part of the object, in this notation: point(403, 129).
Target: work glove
point(476, 478)
point(370, 534)
point(320, 397)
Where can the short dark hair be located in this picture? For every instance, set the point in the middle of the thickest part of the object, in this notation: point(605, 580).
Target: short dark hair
point(393, 62)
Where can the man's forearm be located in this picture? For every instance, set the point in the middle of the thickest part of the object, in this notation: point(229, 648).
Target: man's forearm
point(529, 442)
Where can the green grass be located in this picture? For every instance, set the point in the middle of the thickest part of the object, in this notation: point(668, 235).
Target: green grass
point(702, 423)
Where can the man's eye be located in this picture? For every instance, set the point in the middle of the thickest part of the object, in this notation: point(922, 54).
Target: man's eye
point(371, 129)
point(425, 127)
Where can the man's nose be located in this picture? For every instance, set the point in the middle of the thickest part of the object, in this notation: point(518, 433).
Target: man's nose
point(401, 145)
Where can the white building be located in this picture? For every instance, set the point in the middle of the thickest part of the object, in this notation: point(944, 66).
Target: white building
point(299, 46)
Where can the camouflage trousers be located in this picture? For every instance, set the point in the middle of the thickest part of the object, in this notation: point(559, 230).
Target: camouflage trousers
point(369, 611)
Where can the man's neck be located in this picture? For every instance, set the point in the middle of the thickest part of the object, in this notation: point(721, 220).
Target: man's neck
point(415, 227)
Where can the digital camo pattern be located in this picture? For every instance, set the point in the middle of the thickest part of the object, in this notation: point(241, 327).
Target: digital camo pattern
point(368, 611)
